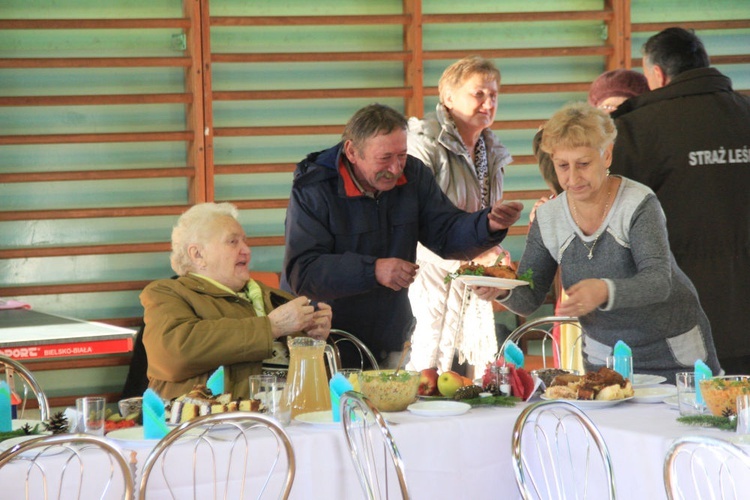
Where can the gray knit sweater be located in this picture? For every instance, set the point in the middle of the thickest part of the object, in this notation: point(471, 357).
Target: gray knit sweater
point(653, 306)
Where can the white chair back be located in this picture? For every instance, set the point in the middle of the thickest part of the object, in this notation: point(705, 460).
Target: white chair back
point(698, 467)
point(13, 367)
point(373, 450)
point(227, 455)
point(65, 466)
point(558, 453)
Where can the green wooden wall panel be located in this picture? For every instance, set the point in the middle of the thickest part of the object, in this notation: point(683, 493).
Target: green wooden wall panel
point(93, 194)
point(273, 149)
point(258, 39)
point(100, 231)
point(93, 119)
point(454, 7)
point(253, 187)
point(94, 81)
point(275, 113)
point(661, 11)
point(88, 43)
point(90, 9)
point(96, 156)
point(303, 7)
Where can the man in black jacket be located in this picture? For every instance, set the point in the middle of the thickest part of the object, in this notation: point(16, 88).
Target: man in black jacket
point(689, 140)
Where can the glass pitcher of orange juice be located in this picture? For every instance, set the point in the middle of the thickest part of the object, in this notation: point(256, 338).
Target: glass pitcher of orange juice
point(307, 382)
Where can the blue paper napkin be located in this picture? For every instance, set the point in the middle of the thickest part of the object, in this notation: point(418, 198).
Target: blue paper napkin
point(621, 350)
point(702, 372)
point(215, 382)
point(338, 385)
point(6, 424)
point(513, 354)
point(154, 424)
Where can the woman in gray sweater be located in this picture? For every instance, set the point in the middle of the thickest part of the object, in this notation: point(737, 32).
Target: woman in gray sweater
point(608, 236)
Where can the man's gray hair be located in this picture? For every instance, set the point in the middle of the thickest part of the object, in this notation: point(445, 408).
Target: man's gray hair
point(675, 50)
point(194, 227)
point(370, 121)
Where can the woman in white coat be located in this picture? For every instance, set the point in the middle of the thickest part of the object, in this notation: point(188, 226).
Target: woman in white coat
point(456, 143)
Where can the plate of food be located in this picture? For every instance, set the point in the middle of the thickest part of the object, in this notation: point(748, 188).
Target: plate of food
point(590, 404)
point(502, 283)
point(645, 380)
point(438, 408)
point(497, 276)
point(654, 394)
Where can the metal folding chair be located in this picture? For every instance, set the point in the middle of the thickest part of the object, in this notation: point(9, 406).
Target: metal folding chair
point(365, 429)
point(13, 367)
point(706, 467)
point(559, 453)
point(534, 327)
point(337, 337)
point(226, 455)
point(62, 466)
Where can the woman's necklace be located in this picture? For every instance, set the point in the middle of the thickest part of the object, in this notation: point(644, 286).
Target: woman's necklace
point(604, 214)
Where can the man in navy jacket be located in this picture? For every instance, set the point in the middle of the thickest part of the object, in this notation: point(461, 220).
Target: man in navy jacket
point(356, 213)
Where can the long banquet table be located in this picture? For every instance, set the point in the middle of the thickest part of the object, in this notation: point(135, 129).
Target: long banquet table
point(468, 456)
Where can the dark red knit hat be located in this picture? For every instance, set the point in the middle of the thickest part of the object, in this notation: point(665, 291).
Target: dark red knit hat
point(617, 83)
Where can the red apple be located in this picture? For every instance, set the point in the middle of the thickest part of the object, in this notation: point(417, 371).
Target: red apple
point(428, 379)
point(449, 382)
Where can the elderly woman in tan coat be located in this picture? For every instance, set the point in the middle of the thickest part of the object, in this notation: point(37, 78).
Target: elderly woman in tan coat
point(467, 158)
point(214, 314)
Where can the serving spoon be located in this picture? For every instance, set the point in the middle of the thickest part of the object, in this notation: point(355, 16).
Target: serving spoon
point(407, 348)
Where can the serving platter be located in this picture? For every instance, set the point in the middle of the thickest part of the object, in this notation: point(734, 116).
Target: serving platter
point(318, 419)
point(502, 283)
point(590, 404)
point(438, 408)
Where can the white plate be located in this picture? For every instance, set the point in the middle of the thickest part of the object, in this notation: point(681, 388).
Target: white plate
point(655, 394)
point(502, 283)
point(129, 435)
point(672, 401)
point(590, 404)
point(438, 408)
point(644, 380)
point(318, 418)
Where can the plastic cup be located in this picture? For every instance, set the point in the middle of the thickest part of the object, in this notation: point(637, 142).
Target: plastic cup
point(90, 411)
point(688, 405)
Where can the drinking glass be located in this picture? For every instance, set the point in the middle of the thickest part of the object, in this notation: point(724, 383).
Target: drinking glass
point(686, 399)
point(269, 390)
point(352, 375)
point(90, 411)
point(622, 364)
point(743, 414)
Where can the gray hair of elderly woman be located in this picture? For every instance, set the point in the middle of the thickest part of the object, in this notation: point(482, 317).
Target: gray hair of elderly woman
point(578, 125)
point(194, 227)
point(455, 74)
point(370, 121)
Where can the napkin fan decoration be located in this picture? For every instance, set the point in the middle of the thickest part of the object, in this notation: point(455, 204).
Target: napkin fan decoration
point(702, 372)
point(154, 423)
point(338, 385)
point(513, 354)
point(215, 382)
point(6, 424)
point(620, 350)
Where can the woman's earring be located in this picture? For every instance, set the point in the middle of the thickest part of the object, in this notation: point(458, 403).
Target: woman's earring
point(607, 172)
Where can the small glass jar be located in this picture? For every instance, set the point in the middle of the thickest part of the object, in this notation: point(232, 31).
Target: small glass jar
point(503, 380)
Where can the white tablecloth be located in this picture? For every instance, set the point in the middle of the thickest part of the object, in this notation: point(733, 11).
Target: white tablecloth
point(468, 456)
